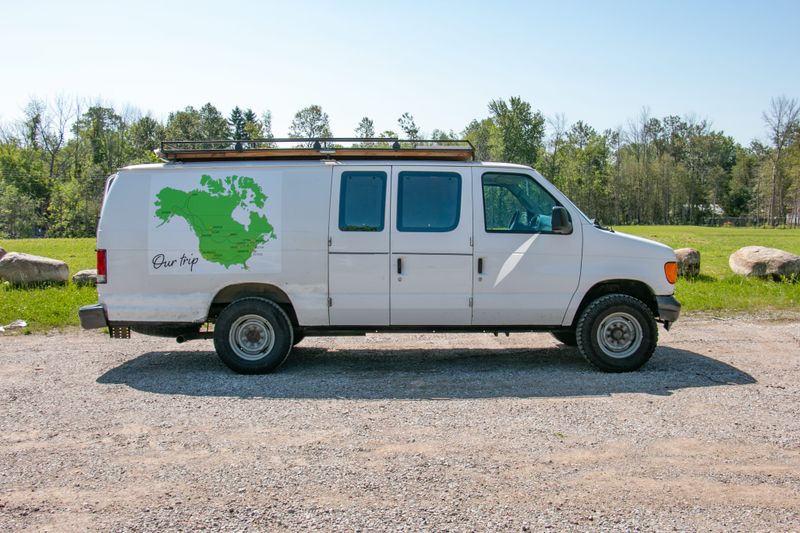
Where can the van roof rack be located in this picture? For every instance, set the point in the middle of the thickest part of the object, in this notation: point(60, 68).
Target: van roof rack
point(317, 148)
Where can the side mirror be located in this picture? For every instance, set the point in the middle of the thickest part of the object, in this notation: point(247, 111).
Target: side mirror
point(561, 222)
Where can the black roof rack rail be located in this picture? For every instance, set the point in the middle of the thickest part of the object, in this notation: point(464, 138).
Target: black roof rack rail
point(317, 148)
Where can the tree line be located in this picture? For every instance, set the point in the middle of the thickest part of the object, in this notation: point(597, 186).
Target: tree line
point(667, 170)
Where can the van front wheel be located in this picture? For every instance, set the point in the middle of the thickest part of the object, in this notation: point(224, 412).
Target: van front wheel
point(617, 333)
point(253, 336)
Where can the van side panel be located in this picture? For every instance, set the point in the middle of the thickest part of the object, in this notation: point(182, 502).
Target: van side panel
point(176, 235)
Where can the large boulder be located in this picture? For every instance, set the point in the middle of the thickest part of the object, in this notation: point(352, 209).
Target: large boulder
point(763, 262)
point(688, 262)
point(24, 269)
point(85, 277)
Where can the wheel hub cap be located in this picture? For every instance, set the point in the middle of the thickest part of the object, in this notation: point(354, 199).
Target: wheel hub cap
point(619, 335)
point(251, 337)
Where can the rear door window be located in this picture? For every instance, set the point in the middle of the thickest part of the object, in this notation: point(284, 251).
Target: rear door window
point(428, 201)
point(362, 201)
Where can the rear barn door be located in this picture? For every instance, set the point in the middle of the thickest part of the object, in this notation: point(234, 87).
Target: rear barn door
point(358, 258)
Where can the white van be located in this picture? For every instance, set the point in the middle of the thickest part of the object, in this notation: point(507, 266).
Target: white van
point(271, 245)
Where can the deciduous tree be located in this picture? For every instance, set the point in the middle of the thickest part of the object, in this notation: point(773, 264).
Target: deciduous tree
point(408, 126)
point(310, 122)
point(521, 129)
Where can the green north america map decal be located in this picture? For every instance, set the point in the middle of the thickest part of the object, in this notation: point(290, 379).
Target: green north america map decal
point(209, 211)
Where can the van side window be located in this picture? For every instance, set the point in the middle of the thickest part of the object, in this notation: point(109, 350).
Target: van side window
point(362, 201)
point(428, 201)
point(515, 203)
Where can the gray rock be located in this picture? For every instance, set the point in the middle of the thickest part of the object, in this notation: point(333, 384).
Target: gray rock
point(762, 262)
point(2, 252)
point(23, 269)
point(85, 277)
point(688, 262)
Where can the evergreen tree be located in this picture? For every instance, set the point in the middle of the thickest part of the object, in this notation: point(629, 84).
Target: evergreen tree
point(253, 129)
point(236, 123)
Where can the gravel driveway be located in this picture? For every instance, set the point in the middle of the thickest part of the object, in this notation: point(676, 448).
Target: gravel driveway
point(412, 432)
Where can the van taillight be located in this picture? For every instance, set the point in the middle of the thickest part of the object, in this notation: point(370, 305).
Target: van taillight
point(101, 266)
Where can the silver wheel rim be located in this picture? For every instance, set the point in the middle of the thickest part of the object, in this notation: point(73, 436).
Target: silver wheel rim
point(619, 335)
point(251, 337)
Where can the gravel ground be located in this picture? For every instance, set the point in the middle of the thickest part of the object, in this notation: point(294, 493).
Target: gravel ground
point(409, 432)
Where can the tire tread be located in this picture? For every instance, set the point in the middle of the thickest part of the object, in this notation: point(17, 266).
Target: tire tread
point(289, 327)
point(592, 308)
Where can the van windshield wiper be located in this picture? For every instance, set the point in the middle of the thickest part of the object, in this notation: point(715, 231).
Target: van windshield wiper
point(597, 225)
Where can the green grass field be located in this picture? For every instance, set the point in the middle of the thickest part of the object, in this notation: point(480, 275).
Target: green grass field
point(717, 290)
point(53, 306)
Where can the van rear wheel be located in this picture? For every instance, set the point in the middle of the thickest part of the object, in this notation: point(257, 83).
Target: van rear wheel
point(253, 336)
point(617, 333)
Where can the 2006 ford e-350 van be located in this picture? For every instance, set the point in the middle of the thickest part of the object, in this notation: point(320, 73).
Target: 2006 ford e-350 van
point(274, 244)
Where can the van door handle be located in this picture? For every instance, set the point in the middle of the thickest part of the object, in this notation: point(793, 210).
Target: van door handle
point(399, 265)
point(480, 265)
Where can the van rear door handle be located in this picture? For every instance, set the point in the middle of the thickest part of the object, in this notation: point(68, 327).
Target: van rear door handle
point(399, 265)
point(480, 265)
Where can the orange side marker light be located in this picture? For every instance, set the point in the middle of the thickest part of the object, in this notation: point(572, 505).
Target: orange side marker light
point(671, 271)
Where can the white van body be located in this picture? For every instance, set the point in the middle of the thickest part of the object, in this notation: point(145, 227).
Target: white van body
point(173, 262)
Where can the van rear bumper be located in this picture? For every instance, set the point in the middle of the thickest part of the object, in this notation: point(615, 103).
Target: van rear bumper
point(93, 316)
point(669, 309)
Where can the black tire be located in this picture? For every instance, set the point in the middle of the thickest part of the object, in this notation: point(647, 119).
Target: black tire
point(617, 333)
point(565, 337)
point(253, 336)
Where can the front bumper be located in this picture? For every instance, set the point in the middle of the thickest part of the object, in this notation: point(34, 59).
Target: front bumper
point(669, 309)
point(93, 316)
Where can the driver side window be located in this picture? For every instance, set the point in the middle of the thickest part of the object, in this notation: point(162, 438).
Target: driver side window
point(515, 203)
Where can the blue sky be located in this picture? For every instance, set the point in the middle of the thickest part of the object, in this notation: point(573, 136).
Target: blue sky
point(597, 62)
